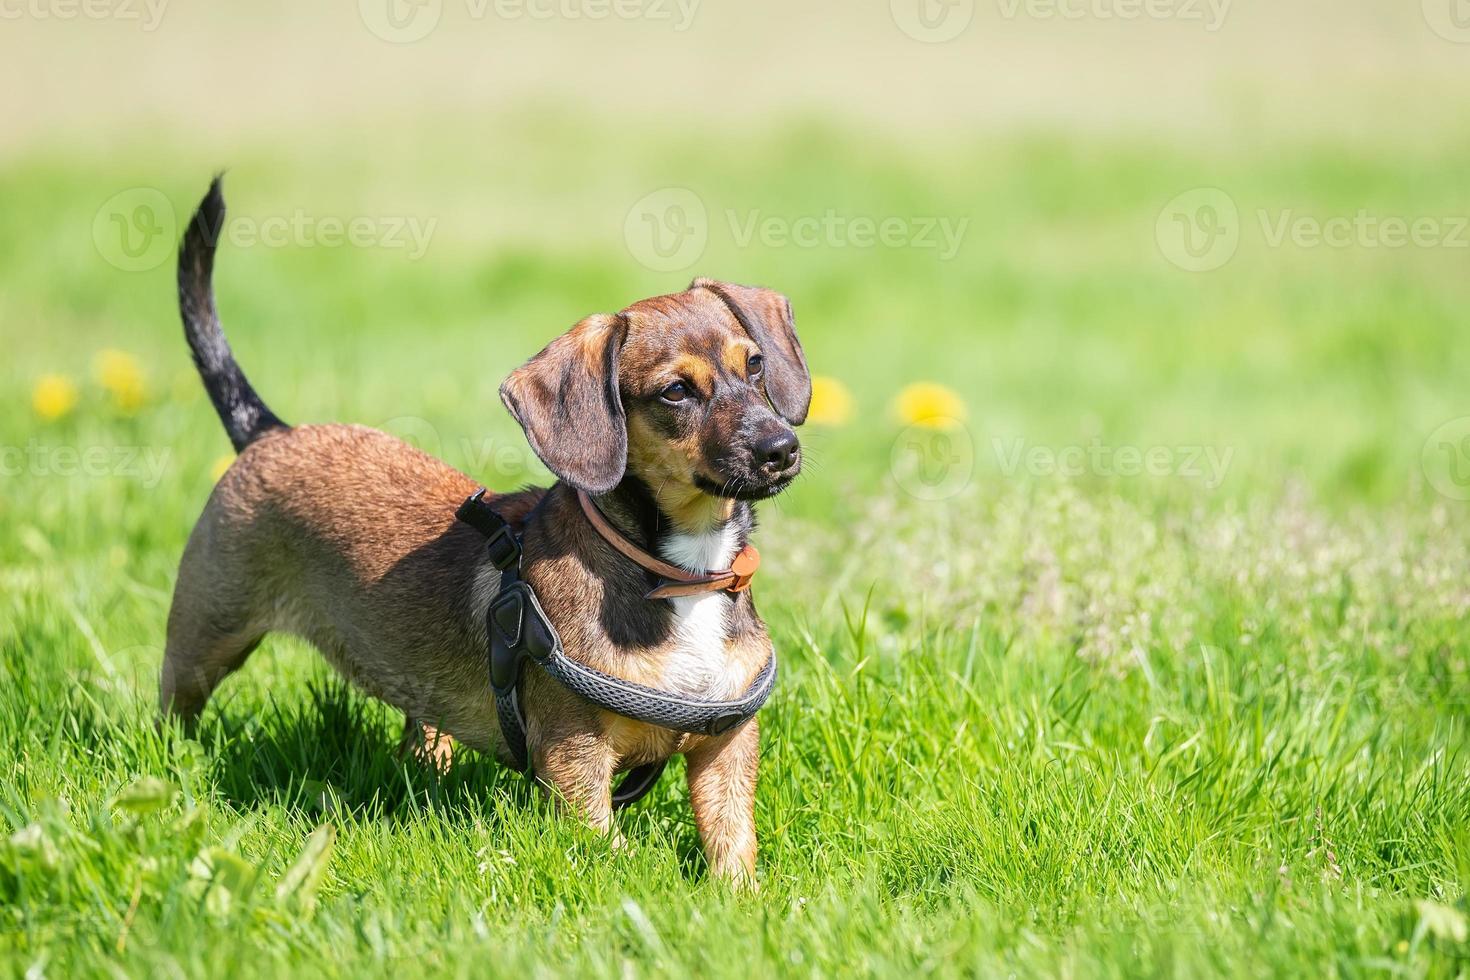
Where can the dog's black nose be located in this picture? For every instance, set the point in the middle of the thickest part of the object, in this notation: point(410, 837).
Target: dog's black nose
point(777, 453)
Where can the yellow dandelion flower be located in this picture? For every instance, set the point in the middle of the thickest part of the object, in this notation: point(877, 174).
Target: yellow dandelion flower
point(832, 403)
point(930, 404)
point(53, 396)
point(120, 374)
point(218, 467)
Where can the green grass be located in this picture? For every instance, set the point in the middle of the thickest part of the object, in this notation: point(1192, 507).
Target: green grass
point(1084, 725)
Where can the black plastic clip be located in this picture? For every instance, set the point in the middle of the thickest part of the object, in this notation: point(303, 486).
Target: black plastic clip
point(505, 550)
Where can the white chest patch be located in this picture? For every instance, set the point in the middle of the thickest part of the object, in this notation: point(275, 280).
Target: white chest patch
point(698, 666)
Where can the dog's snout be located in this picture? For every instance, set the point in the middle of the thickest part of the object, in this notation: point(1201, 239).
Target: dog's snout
point(777, 453)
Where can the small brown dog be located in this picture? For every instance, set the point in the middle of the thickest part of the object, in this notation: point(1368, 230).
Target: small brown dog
point(674, 416)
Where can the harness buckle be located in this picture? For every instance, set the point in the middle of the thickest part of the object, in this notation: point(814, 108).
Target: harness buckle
point(505, 551)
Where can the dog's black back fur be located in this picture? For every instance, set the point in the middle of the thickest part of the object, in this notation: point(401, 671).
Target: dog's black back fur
point(245, 416)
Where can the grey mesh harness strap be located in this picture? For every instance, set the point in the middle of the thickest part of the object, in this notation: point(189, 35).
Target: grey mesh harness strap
point(519, 630)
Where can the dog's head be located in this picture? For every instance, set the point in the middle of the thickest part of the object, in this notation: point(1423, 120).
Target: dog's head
point(695, 394)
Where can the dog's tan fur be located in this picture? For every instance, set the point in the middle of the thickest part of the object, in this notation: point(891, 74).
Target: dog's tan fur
point(347, 537)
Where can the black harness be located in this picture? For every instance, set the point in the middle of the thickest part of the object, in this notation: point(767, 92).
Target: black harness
point(519, 630)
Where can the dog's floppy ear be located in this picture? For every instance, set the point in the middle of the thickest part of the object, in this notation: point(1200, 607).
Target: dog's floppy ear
point(766, 316)
point(566, 399)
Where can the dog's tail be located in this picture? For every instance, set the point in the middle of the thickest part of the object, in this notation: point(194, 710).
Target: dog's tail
point(245, 416)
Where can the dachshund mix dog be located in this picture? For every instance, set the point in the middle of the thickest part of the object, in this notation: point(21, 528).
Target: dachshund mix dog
point(674, 417)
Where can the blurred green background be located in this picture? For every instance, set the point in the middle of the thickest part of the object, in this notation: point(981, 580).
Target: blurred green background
point(537, 154)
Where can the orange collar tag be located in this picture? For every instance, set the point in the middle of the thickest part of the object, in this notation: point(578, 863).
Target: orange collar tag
point(744, 567)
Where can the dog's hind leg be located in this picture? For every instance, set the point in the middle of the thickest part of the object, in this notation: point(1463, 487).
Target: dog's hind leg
point(198, 656)
point(213, 626)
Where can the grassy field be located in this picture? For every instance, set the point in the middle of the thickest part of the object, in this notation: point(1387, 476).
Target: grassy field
point(1155, 663)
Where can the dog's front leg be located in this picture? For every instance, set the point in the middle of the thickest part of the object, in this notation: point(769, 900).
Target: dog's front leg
point(577, 769)
point(722, 775)
point(430, 747)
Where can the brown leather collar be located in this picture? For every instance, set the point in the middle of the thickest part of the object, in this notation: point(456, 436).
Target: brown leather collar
point(677, 581)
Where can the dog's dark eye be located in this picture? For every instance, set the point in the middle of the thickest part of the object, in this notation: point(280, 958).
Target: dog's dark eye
point(755, 366)
point(676, 392)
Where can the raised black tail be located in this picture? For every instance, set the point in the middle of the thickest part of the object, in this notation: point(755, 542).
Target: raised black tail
point(245, 416)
